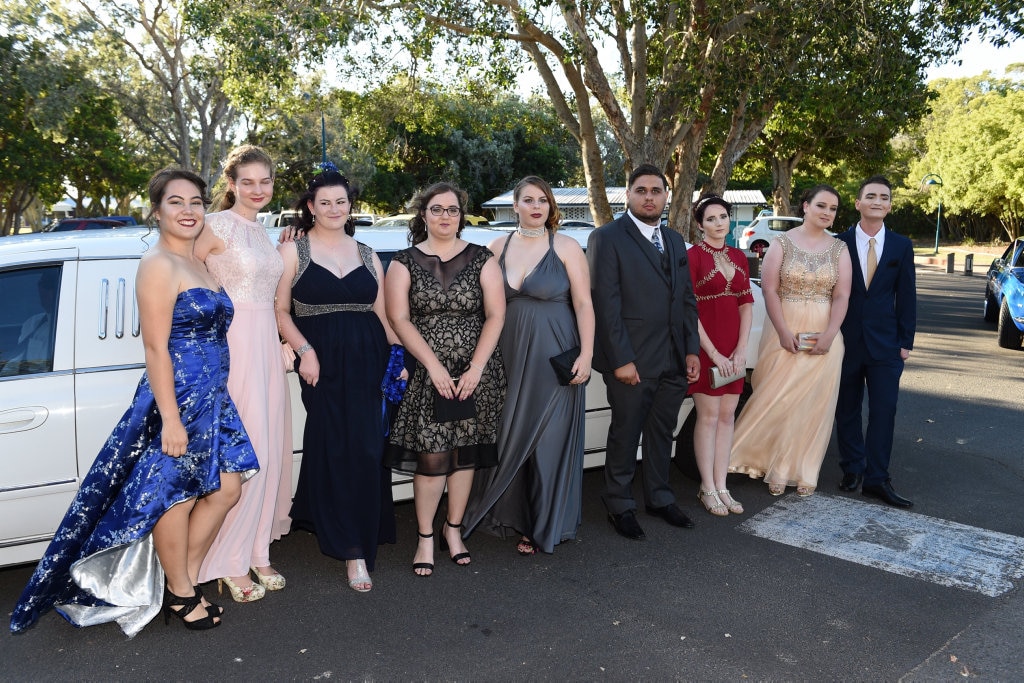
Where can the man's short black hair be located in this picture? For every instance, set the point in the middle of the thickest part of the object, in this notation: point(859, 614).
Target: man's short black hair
point(874, 180)
point(647, 169)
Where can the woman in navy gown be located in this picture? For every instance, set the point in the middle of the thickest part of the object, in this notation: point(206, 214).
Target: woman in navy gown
point(330, 309)
point(160, 487)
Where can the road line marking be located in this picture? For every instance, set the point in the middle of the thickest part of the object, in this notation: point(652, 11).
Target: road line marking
point(905, 543)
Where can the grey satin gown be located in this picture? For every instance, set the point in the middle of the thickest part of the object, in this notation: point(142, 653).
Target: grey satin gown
point(536, 488)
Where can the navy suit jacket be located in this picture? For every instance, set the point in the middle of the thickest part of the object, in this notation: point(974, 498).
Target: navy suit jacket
point(643, 311)
point(882, 319)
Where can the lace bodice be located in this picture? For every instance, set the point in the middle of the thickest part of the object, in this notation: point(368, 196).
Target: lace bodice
point(249, 268)
point(809, 275)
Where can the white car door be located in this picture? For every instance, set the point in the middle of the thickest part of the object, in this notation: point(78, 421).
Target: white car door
point(38, 467)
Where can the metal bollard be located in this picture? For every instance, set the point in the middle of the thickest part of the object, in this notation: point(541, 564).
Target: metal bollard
point(969, 264)
point(950, 262)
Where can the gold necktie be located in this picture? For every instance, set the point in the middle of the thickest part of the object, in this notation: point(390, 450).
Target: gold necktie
point(872, 262)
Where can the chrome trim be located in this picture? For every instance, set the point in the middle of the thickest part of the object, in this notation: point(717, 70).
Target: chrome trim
point(101, 329)
point(136, 322)
point(26, 541)
point(52, 373)
point(37, 486)
point(110, 368)
point(119, 312)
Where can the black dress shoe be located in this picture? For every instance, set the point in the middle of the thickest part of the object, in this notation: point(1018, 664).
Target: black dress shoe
point(672, 514)
point(885, 493)
point(851, 482)
point(626, 525)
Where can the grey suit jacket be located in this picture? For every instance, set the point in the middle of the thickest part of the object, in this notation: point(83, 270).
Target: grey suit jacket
point(646, 312)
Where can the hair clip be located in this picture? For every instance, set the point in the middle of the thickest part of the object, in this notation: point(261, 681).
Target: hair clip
point(325, 166)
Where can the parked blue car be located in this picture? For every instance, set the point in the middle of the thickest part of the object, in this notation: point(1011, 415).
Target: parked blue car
point(1004, 295)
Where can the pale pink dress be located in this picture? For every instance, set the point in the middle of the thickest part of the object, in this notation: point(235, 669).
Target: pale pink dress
point(249, 269)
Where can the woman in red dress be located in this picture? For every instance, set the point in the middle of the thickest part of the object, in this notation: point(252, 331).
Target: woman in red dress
point(721, 282)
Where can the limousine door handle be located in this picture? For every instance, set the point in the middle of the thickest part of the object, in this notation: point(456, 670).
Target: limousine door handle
point(22, 419)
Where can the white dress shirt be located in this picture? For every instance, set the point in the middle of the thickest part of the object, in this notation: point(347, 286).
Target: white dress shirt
point(862, 248)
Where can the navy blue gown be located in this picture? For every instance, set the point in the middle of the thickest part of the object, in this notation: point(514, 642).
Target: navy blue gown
point(101, 565)
point(344, 493)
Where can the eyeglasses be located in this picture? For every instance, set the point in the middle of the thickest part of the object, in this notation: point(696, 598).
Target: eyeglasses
point(452, 211)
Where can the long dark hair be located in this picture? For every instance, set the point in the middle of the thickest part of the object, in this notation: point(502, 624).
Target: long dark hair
point(421, 203)
point(328, 176)
point(158, 186)
point(701, 207)
point(241, 156)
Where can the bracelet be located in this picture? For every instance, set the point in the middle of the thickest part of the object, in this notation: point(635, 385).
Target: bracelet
point(473, 365)
point(302, 349)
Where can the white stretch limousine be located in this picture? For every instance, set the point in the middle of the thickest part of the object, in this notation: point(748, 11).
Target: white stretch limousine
point(71, 355)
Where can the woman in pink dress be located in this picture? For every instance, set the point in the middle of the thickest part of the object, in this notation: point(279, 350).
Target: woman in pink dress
point(239, 254)
point(725, 307)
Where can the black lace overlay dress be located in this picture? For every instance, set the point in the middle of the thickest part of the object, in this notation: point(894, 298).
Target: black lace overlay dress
point(446, 303)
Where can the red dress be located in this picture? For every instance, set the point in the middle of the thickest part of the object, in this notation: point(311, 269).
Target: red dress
point(718, 307)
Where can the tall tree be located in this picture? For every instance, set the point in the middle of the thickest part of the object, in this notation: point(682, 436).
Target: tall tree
point(973, 142)
point(169, 79)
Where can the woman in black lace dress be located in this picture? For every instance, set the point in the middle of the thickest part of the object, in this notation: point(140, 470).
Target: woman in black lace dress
point(446, 303)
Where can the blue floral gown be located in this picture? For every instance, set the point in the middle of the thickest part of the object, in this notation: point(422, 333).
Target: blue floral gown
point(101, 565)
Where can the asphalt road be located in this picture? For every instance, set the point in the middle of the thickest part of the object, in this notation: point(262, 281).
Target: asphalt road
point(711, 603)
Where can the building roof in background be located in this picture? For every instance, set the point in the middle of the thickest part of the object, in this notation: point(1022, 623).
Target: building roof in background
point(577, 196)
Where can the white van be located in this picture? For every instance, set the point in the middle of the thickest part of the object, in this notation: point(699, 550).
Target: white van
point(71, 356)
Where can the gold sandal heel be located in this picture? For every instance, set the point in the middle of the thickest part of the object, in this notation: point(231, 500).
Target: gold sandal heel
point(718, 509)
point(735, 507)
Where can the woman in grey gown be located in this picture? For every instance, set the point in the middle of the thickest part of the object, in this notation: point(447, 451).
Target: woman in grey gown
point(534, 492)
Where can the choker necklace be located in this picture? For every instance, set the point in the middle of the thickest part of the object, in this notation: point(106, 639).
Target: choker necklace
point(531, 232)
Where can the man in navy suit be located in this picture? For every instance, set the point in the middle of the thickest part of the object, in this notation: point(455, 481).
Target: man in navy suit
point(879, 333)
point(645, 346)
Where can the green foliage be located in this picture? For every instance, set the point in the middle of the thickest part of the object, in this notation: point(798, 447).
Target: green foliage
point(974, 141)
point(406, 134)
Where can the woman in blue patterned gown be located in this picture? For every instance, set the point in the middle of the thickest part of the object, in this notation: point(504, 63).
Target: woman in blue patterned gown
point(158, 491)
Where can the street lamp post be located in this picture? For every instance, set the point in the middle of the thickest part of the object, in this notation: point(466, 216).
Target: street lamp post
point(934, 179)
point(323, 129)
point(324, 138)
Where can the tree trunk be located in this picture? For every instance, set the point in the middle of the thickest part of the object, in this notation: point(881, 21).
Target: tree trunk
point(782, 183)
point(684, 180)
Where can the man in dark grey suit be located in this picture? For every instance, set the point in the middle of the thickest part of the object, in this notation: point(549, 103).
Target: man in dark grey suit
point(879, 333)
point(645, 346)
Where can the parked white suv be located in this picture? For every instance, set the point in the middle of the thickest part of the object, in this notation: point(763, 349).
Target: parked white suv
point(759, 233)
point(71, 356)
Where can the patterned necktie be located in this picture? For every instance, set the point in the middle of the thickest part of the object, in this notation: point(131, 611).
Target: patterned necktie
point(656, 241)
point(872, 262)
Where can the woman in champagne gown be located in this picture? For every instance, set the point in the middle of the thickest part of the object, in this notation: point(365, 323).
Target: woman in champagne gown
point(159, 488)
point(785, 427)
point(534, 493)
point(240, 255)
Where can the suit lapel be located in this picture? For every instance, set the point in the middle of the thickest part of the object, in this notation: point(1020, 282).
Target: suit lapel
point(851, 246)
point(645, 246)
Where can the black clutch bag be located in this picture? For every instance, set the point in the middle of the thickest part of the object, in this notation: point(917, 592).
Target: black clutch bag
point(452, 409)
point(562, 363)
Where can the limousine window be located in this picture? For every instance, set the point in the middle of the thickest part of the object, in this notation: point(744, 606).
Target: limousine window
point(28, 320)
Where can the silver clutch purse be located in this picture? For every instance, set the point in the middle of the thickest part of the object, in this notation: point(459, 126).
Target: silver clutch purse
point(717, 380)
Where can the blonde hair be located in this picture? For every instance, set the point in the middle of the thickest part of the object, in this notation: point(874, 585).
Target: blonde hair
point(238, 157)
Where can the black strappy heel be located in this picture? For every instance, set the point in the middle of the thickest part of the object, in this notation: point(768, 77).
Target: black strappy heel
point(423, 565)
point(188, 605)
point(212, 608)
point(445, 546)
